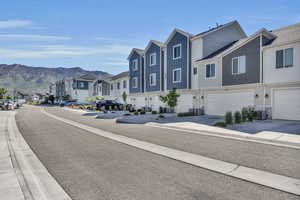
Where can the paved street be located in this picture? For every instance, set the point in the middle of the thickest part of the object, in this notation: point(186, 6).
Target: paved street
point(91, 167)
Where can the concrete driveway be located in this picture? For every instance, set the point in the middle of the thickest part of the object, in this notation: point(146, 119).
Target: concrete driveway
point(283, 126)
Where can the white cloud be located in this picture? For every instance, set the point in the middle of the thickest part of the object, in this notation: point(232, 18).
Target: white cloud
point(46, 51)
point(27, 37)
point(14, 23)
point(106, 39)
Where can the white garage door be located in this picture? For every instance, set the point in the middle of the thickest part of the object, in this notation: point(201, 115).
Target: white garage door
point(220, 103)
point(286, 104)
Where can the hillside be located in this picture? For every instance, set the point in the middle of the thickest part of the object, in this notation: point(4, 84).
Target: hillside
point(26, 78)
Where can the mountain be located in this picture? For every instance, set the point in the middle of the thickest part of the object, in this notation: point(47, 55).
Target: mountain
point(26, 78)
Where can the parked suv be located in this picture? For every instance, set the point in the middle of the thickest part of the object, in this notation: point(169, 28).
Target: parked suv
point(6, 105)
point(107, 103)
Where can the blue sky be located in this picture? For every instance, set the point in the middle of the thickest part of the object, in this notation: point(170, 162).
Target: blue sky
point(98, 35)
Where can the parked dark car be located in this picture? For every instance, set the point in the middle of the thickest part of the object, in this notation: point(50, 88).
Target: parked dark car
point(67, 103)
point(107, 104)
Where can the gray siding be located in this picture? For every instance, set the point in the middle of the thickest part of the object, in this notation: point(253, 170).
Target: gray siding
point(138, 73)
point(252, 52)
point(218, 39)
point(178, 63)
point(152, 69)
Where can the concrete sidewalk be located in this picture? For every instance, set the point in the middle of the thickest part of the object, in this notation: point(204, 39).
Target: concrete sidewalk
point(202, 129)
point(22, 175)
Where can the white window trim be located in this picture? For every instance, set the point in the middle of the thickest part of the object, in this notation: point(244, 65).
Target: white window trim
point(177, 45)
point(152, 54)
point(177, 69)
point(238, 57)
point(135, 68)
point(211, 77)
point(154, 79)
point(134, 79)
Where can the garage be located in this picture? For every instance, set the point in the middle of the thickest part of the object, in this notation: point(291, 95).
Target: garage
point(219, 103)
point(286, 104)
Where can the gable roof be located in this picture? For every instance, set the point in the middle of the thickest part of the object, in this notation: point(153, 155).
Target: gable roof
point(286, 34)
point(237, 44)
point(176, 30)
point(235, 22)
point(160, 44)
point(88, 77)
point(138, 51)
point(120, 75)
point(217, 52)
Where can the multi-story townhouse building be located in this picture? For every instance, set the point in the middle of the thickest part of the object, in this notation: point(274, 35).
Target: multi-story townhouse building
point(119, 84)
point(76, 88)
point(112, 88)
point(281, 73)
point(174, 64)
point(101, 88)
point(262, 71)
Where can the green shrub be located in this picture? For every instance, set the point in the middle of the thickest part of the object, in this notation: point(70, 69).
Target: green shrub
point(136, 113)
point(252, 114)
point(161, 116)
point(228, 118)
point(139, 110)
point(244, 114)
point(142, 112)
point(184, 114)
point(220, 124)
point(154, 112)
point(237, 117)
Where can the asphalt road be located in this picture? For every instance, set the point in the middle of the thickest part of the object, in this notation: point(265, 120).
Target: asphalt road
point(92, 167)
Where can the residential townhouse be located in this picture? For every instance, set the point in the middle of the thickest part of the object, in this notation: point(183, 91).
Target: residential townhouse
point(113, 88)
point(76, 88)
point(222, 70)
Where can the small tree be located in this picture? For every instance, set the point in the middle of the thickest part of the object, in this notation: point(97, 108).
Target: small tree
point(67, 98)
point(171, 98)
point(228, 118)
point(51, 99)
point(2, 93)
point(124, 96)
point(8, 97)
point(237, 117)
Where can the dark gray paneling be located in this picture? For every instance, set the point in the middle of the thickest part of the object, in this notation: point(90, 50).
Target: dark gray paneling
point(252, 52)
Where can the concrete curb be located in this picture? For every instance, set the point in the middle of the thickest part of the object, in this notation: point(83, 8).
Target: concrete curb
point(283, 183)
point(259, 140)
point(39, 182)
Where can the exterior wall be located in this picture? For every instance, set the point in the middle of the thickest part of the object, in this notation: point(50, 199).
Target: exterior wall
point(138, 73)
point(220, 38)
point(281, 75)
point(178, 63)
point(153, 69)
point(252, 52)
point(117, 94)
point(214, 82)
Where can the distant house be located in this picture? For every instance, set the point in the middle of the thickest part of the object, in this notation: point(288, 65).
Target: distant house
point(78, 88)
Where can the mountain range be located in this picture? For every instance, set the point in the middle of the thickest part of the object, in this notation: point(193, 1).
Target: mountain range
point(28, 79)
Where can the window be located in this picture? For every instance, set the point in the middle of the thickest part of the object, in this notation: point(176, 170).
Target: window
point(134, 82)
point(111, 86)
point(284, 58)
point(135, 65)
point(195, 70)
point(152, 59)
point(118, 85)
point(81, 84)
point(239, 65)
point(176, 75)
point(152, 79)
point(210, 70)
point(124, 84)
point(177, 51)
